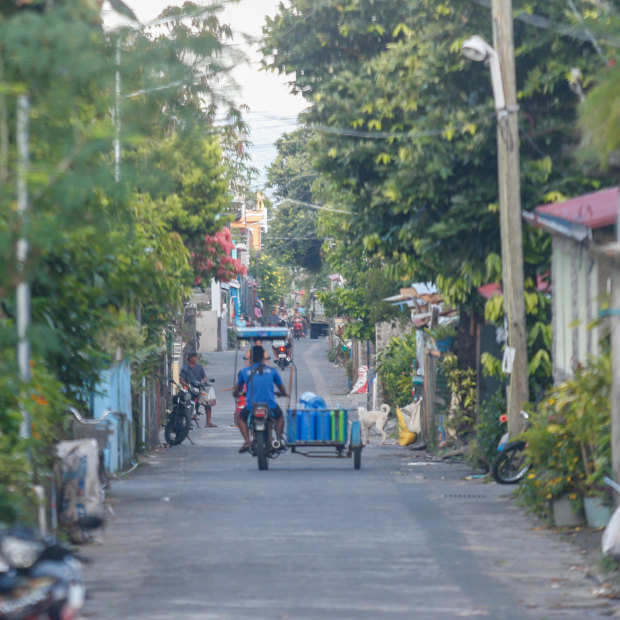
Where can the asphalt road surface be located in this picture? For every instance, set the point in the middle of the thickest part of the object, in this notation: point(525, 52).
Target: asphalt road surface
point(201, 534)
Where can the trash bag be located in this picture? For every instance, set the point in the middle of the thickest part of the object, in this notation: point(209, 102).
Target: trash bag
point(405, 436)
point(211, 399)
point(80, 502)
point(413, 414)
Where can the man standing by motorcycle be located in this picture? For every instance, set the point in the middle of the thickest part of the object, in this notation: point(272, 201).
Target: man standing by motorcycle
point(193, 373)
point(259, 381)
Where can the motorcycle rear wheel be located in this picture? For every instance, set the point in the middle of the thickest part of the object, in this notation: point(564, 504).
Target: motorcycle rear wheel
point(510, 465)
point(261, 451)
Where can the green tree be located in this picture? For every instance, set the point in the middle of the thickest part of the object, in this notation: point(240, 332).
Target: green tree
point(293, 233)
point(273, 280)
point(102, 252)
point(406, 129)
point(600, 110)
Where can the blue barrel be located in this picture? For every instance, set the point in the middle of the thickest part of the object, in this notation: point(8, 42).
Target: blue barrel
point(305, 426)
point(314, 417)
point(303, 399)
point(291, 426)
point(324, 425)
point(310, 400)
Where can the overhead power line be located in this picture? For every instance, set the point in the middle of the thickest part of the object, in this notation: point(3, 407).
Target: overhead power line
point(318, 207)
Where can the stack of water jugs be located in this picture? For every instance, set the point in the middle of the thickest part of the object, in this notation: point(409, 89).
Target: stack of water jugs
point(313, 420)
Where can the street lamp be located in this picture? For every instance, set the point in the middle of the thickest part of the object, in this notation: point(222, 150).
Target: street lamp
point(505, 99)
point(478, 50)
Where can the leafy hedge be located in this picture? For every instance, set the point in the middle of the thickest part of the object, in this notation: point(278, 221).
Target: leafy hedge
point(395, 367)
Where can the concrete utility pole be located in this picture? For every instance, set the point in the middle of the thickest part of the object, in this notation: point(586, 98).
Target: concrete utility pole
point(510, 214)
point(23, 288)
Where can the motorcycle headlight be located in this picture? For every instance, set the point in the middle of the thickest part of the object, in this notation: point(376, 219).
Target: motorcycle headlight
point(20, 552)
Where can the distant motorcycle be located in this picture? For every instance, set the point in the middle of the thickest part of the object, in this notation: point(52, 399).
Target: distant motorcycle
point(281, 353)
point(298, 329)
point(39, 578)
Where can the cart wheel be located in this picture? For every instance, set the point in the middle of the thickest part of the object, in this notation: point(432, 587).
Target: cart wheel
point(357, 457)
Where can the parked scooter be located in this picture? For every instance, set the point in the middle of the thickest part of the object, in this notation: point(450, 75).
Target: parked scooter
point(266, 441)
point(511, 464)
point(39, 578)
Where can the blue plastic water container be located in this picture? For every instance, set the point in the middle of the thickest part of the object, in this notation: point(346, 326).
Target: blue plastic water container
point(339, 425)
point(291, 426)
point(310, 400)
point(303, 399)
point(314, 417)
point(324, 425)
point(305, 431)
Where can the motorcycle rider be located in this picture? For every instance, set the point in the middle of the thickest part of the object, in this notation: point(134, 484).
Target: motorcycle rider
point(298, 324)
point(273, 319)
point(259, 381)
point(193, 373)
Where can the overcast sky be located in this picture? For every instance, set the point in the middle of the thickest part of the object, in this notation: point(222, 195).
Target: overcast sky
point(272, 109)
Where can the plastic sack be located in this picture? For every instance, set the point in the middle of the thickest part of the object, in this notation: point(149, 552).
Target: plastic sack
point(79, 485)
point(211, 397)
point(610, 543)
point(405, 436)
point(413, 415)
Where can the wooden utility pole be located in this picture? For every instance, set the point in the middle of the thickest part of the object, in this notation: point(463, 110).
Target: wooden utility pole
point(510, 214)
point(615, 366)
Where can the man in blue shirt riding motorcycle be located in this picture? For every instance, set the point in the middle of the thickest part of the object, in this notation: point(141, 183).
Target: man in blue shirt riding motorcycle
point(259, 381)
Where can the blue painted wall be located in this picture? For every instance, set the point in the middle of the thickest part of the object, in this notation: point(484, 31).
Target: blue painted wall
point(114, 392)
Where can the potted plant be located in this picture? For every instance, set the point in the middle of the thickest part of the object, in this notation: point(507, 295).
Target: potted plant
point(569, 443)
point(443, 335)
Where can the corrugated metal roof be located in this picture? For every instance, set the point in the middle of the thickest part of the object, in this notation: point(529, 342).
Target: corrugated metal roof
point(595, 210)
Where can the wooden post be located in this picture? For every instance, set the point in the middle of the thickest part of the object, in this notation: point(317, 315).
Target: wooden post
point(510, 214)
point(615, 374)
point(425, 421)
point(430, 384)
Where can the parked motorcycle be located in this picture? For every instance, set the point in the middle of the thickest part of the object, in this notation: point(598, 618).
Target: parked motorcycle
point(180, 419)
point(266, 441)
point(185, 408)
point(39, 578)
point(511, 464)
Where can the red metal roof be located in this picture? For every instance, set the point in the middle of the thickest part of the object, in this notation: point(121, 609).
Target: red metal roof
point(595, 210)
point(490, 290)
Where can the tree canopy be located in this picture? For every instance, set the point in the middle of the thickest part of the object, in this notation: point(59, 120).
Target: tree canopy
point(105, 250)
point(404, 125)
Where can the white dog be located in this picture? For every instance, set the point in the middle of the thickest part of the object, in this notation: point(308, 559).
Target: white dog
point(378, 419)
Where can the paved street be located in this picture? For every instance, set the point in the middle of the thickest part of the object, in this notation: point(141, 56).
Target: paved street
point(200, 533)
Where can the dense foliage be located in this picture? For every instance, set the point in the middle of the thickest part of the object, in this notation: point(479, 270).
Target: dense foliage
point(569, 439)
point(395, 368)
point(405, 133)
point(110, 240)
point(293, 234)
